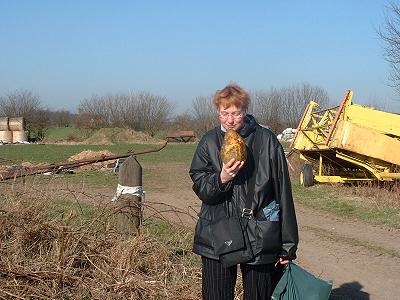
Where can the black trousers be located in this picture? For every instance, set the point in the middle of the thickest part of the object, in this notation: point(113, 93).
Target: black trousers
point(219, 282)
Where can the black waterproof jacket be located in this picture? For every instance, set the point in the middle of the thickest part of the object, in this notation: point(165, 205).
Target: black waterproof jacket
point(271, 235)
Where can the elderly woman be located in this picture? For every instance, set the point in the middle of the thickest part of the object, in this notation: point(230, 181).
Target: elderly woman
point(257, 191)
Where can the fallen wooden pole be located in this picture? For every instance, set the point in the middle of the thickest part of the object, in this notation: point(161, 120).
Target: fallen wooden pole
point(21, 171)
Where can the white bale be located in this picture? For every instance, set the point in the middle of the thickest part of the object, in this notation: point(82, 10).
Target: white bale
point(4, 124)
point(16, 123)
point(6, 136)
point(19, 136)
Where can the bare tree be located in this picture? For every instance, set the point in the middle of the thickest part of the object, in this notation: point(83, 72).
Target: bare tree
point(204, 114)
point(283, 107)
point(103, 111)
point(20, 103)
point(153, 111)
point(390, 34)
point(297, 98)
point(139, 111)
point(38, 124)
point(60, 118)
point(92, 112)
point(183, 121)
point(267, 107)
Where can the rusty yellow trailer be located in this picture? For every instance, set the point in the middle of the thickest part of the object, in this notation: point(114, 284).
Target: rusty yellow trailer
point(348, 143)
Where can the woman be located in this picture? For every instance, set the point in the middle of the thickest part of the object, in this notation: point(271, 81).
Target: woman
point(271, 229)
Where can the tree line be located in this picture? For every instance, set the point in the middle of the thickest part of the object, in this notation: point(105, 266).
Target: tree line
point(276, 108)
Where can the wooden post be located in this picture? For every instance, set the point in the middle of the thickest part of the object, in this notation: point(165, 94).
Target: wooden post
point(129, 206)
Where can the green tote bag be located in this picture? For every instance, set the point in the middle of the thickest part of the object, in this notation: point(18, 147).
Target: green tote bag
point(297, 284)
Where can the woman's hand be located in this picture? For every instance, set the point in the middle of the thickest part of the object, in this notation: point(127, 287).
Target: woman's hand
point(230, 169)
point(284, 261)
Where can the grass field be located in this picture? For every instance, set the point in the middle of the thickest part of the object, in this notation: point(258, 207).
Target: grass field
point(50, 153)
point(61, 133)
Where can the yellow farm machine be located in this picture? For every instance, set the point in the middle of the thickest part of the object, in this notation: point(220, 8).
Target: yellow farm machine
point(347, 143)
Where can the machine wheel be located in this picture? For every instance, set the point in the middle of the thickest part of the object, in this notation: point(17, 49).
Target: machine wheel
point(307, 176)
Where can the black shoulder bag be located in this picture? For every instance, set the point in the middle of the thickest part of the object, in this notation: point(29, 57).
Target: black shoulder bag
point(231, 242)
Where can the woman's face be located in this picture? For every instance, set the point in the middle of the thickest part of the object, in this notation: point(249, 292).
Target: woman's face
point(231, 117)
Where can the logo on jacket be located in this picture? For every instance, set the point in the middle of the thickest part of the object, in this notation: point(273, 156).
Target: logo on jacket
point(228, 243)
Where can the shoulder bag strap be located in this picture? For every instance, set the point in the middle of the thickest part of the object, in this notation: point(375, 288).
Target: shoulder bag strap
point(247, 211)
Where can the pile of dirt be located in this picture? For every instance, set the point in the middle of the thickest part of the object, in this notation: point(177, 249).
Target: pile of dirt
point(109, 136)
point(89, 154)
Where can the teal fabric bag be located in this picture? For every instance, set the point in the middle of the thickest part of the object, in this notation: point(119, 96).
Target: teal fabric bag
point(297, 284)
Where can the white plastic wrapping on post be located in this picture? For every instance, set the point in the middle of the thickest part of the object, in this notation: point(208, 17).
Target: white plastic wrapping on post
point(132, 190)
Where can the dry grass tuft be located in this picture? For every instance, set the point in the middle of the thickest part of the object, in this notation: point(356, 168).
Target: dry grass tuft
point(50, 251)
point(381, 193)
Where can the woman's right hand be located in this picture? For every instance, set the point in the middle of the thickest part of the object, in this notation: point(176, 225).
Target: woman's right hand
point(230, 169)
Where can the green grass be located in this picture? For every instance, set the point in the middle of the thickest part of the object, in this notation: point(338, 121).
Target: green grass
point(37, 153)
point(95, 178)
point(163, 230)
point(58, 133)
point(340, 201)
point(177, 237)
point(62, 209)
point(67, 134)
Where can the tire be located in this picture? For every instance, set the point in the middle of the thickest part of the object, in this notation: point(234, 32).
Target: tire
point(307, 176)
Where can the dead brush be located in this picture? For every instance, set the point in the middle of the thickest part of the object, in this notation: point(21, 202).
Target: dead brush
point(379, 193)
point(48, 253)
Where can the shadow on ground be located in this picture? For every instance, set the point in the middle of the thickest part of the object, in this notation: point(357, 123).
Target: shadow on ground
point(349, 291)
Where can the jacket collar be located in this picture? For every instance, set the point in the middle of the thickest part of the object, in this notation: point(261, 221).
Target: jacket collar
point(248, 126)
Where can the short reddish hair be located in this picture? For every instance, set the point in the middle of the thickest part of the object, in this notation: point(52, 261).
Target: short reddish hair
point(230, 95)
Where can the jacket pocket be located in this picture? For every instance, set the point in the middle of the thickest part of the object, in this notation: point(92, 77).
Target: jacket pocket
point(203, 236)
point(268, 236)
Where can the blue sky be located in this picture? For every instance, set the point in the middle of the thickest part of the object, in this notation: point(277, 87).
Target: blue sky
point(65, 51)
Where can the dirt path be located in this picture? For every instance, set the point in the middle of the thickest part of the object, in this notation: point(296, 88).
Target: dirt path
point(362, 260)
